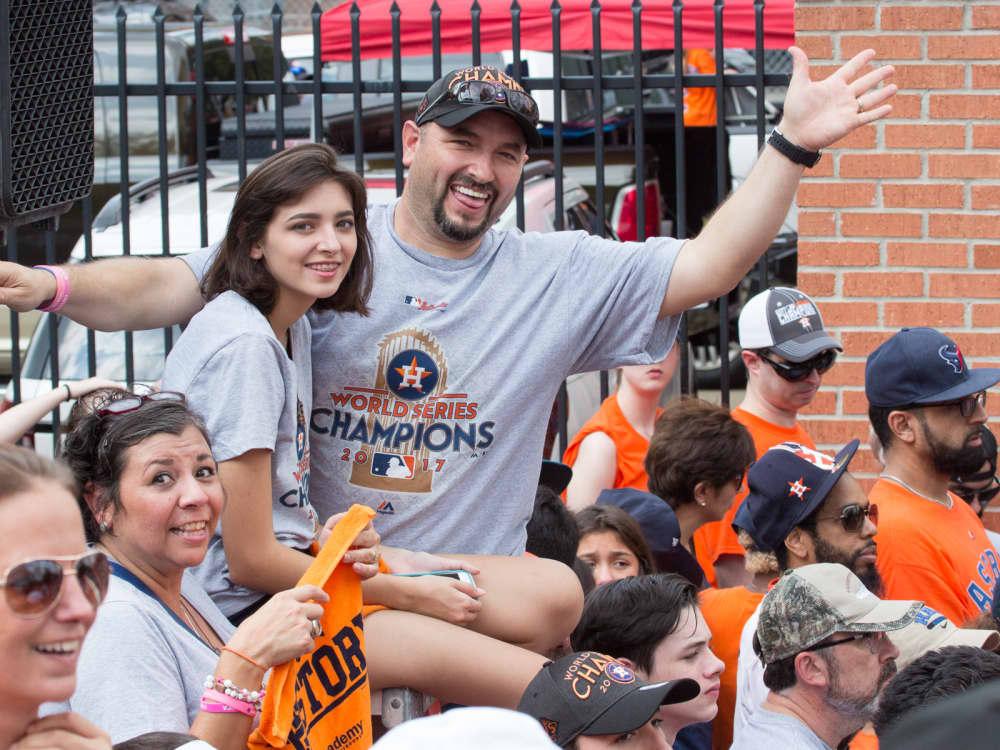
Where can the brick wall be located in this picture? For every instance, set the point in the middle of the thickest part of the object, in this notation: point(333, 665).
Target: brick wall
point(899, 224)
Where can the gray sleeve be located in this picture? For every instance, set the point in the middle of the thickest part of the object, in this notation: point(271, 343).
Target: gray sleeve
point(200, 260)
point(240, 393)
point(128, 680)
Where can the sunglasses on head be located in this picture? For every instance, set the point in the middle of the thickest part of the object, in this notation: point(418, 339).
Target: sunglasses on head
point(796, 371)
point(133, 403)
point(33, 587)
point(485, 92)
point(852, 517)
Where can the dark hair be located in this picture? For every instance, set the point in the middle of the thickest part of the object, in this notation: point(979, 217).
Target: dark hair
point(95, 450)
point(552, 530)
point(629, 617)
point(808, 525)
point(22, 469)
point(280, 179)
point(597, 518)
point(778, 675)
point(584, 574)
point(933, 676)
point(879, 418)
point(695, 441)
point(156, 741)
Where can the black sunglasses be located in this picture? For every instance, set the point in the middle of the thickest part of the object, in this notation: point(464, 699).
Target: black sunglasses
point(796, 371)
point(485, 92)
point(133, 403)
point(968, 405)
point(852, 517)
point(984, 496)
point(871, 640)
point(33, 587)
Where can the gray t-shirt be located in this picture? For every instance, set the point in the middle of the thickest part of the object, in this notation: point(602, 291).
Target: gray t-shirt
point(140, 669)
point(238, 377)
point(432, 409)
point(767, 729)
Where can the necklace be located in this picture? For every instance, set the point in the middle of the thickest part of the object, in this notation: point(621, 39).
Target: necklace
point(947, 502)
point(192, 621)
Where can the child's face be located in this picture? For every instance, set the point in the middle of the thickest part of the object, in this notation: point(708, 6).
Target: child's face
point(608, 556)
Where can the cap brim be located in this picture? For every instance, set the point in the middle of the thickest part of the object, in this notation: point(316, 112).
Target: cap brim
point(555, 476)
point(639, 706)
point(887, 615)
point(979, 380)
point(454, 114)
point(806, 347)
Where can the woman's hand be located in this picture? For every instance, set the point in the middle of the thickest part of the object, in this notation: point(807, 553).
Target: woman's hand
point(364, 552)
point(66, 731)
point(89, 385)
point(408, 561)
point(281, 630)
point(444, 598)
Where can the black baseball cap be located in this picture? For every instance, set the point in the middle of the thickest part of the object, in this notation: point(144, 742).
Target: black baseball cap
point(788, 483)
point(465, 92)
point(588, 693)
point(922, 366)
point(555, 476)
point(787, 322)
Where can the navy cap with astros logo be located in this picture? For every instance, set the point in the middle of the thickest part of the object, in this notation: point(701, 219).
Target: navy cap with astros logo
point(787, 484)
point(588, 693)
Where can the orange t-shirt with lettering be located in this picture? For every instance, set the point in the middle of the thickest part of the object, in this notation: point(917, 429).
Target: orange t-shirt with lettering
point(699, 103)
point(726, 612)
point(715, 539)
point(936, 554)
point(630, 446)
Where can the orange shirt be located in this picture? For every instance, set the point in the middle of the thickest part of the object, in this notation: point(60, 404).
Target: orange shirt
point(699, 103)
point(939, 555)
point(715, 539)
point(864, 740)
point(630, 446)
point(725, 612)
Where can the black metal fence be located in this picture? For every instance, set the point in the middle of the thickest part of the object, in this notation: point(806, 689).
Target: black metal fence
point(183, 98)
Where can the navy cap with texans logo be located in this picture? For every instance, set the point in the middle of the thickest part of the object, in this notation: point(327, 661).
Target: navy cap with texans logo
point(787, 484)
point(922, 366)
point(588, 693)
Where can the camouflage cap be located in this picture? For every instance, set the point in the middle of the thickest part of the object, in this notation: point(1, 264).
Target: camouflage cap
point(807, 605)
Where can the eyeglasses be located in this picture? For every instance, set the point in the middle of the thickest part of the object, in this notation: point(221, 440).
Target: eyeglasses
point(796, 371)
point(852, 517)
point(485, 92)
point(133, 403)
point(870, 640)
point(32, 588)
point(984, 496)
point(966, 406)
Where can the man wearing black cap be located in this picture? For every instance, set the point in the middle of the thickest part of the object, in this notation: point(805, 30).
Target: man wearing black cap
point(926, 406)
point(451, 378)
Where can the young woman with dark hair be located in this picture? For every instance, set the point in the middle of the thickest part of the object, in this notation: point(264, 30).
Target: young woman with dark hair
point(612, 544)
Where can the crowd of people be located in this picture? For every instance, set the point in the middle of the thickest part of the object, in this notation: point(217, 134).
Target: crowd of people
point(690, 578)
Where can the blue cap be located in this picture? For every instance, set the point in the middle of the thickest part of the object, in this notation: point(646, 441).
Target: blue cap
point(787, 484)
point(922, 366)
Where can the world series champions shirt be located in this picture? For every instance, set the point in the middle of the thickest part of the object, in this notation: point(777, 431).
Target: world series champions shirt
point(432, 409)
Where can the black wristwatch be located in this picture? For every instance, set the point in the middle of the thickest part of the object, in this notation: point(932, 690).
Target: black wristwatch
point(789, 150)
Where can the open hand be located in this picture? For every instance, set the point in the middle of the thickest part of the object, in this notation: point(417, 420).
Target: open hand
point(444, 598)
point(818, 113)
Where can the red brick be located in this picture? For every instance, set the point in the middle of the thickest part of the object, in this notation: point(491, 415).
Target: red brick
point(986, 196)
point(963, 47)
point(846, 373)
point(929, 196)
point(880, 165)
point(862, 342)
point(972, 226)
point(965, 285)
point(817, 284)
point(817, 223)
point(937, 314)
point(963, 165)
point(816, 46)
point(985, 76)
point(884, 284)
point(964, 106)
point(837, 314)
point(836, 432)
point(841, 18)
point(906, 106)
point(836, 194)
point(880, 225)
point(986, 17)
point(934, 76)
point(986, 256)
point(974, 344)
point(920, 18)
point(991, 519)
point(823, 169)
point(923, 254)
point(986, 136)
point(925, 136)
point(863, 137)
point(986, 315)
point(855, 402)
point(824, 402)
point(838, 253)
point(887, 46)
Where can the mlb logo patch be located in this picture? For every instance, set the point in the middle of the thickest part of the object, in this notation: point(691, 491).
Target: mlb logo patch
point(392, 465)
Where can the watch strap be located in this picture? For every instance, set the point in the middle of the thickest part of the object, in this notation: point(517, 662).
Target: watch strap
point(792, 152)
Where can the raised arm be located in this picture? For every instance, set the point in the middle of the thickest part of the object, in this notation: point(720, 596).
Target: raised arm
point(112, 294)
point(816, 114)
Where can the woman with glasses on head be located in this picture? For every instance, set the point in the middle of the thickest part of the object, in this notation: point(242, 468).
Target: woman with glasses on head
point(52, 585)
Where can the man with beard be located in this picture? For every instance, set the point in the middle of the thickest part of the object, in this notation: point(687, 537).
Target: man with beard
point(822, 640)
point(926, 406)
point(806, 508)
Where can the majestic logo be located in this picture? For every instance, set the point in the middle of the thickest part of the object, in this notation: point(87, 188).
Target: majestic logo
point(385, 508)
point(411, 374)
point(952, 356)
point(798, 489)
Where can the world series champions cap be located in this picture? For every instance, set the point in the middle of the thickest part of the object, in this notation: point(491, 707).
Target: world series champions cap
point(587, 693)
point(787, 322)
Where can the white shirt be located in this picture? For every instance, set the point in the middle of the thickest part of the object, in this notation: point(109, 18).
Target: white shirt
point(750, 689)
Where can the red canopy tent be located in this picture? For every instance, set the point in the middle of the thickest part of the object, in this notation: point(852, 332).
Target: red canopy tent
point(536, 26)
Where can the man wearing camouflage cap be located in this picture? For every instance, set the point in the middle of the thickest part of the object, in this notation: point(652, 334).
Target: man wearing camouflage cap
point(822, 639)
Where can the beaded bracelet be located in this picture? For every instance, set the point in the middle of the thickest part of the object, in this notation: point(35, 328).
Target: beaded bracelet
point(214, 702)
point(227, 687)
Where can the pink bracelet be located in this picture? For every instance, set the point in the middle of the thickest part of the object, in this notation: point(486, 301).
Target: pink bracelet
point(62, 290)
point(215, 702)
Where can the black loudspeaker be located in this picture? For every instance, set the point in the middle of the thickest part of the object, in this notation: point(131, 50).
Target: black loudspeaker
point(46, 107)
